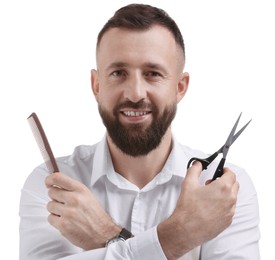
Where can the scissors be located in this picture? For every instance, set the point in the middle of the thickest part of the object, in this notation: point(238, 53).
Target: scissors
point(224, 150)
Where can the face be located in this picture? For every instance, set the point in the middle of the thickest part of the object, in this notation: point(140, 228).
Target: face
point(137, 85)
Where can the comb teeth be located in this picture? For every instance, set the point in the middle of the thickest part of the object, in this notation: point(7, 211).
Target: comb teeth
point(42, 143)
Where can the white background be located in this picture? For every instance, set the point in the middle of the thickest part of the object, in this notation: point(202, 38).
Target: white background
point(47, 51)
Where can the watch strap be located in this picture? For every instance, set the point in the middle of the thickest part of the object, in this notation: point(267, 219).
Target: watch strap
point(122, 236)
point(125, 234)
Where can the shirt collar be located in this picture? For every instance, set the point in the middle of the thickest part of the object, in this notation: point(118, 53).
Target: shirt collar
point(175, 165)
point(102, 161)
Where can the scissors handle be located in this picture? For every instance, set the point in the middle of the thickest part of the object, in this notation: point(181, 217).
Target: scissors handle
point(205, 162)
point(219, 170)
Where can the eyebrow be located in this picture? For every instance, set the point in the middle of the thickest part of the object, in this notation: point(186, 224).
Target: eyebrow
point(116, 65)
point(150, 65)
point(155, 66)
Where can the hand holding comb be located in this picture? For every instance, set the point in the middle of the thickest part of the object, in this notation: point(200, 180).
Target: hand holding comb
point(42, 143)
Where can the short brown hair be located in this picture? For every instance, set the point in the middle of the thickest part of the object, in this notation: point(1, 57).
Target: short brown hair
point(142, 17)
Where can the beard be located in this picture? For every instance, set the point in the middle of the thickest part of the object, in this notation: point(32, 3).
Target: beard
point(134, 139)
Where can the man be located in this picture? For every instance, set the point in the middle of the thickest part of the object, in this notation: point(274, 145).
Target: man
point(130, 196)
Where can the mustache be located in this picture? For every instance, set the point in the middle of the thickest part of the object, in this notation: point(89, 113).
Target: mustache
point(134, 105)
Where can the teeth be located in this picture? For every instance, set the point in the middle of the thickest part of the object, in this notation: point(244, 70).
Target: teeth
point(135, 113)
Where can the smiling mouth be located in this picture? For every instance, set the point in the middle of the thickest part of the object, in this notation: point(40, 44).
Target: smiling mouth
point(135, 113)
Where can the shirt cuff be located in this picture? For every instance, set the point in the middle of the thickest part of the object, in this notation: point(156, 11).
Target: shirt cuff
point(146, 245)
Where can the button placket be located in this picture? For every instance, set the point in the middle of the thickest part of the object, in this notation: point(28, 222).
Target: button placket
point(137, 223)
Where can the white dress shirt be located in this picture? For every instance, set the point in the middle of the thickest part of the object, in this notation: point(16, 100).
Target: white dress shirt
point(138, 210)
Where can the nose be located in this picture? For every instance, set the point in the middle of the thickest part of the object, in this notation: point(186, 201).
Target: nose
point(135, 89)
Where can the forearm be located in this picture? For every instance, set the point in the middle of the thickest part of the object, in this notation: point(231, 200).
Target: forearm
point(39, 240)
point(168, 238)
point(178, 235)
point(175, 238)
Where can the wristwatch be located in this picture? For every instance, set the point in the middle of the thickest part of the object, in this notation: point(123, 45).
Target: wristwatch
point(122, 236)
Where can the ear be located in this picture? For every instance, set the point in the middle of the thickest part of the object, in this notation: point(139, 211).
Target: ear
point(95, 83)
point(182, 86)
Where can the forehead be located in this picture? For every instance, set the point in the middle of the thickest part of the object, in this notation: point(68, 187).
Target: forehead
point(155, 43)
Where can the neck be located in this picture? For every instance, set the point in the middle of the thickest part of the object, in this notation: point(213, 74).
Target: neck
point(130, 167)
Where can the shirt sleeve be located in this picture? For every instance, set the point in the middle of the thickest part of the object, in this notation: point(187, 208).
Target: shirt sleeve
point(39, 240)
point(144, 246)
point(241, 239)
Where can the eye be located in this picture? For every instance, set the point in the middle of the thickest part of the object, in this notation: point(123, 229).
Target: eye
point(118, 73)
point(152, 74)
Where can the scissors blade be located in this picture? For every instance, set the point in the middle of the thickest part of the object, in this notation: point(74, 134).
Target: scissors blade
point(232, 137)
point(240, 131)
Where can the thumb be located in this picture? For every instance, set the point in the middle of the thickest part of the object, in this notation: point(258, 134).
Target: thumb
point(193, 173)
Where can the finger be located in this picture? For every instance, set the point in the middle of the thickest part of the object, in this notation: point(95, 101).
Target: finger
point(51, 178)
point(194, 172)
point(55, 208)
point(54, 220)
point(228, 176)
point(58, 194)
point(234, 195)
point(60, 180)
point(236, 187)
point(208, 181)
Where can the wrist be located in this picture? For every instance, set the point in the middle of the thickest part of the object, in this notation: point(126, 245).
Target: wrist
point(123, 235)
point(165, 240)
point(110, 233)
point(172, 239)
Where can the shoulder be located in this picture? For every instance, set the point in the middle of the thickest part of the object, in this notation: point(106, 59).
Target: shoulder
point(82, 154)
point(76, 165)
point(188, 151)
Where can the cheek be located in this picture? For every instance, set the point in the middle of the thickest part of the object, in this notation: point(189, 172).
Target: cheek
point(164, 97)
point(108, 99)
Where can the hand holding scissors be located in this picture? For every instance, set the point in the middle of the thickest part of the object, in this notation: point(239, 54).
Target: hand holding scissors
point(224, 150)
